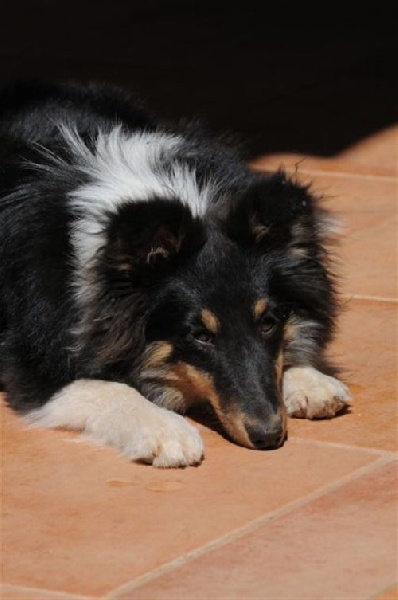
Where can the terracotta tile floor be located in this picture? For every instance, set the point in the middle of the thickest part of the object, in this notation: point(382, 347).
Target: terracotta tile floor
point(317, 519)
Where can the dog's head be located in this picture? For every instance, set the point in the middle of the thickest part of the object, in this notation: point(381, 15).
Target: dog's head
point(215, 299)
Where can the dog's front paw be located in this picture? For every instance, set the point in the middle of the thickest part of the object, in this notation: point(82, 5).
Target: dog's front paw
point(117, 415)
point(309, 394)
point(148, 433)
point(165, 439)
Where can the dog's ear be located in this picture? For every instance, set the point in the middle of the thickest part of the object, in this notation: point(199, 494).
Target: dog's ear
point(273, 210)
point(147, 237)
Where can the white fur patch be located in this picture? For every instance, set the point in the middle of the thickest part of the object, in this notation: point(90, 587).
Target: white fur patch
point(127, 168)
point(307, 393)
point(117, 415)
point(123, 168)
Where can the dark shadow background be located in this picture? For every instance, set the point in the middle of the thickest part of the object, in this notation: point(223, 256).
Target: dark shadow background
point(277, 81)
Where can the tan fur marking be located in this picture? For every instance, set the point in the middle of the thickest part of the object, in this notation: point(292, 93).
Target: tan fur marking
point(259, 307)
point(290, 330)
point(210, 321)
point(235, 424)
point(157, 354)
point(194, 384)
point(279, 371)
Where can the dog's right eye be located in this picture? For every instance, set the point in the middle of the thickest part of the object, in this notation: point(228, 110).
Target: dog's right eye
point(267, 327)
point(202, 337)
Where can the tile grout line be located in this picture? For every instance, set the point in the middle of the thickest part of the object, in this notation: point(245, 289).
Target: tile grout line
point(375, 451)
point(246, 529)
point(341, 174)
point(369, 298)
point(337, 174)
point(357, 237)
point(53, 594)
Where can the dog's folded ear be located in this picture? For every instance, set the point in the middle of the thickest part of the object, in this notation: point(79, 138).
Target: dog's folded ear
point(273, 210)
point(148, 237)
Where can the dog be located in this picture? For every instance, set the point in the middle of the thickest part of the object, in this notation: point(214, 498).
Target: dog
point(146, 268)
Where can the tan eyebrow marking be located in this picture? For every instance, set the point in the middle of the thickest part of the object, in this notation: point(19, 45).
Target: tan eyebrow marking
point(210, 321)
point(259, 307)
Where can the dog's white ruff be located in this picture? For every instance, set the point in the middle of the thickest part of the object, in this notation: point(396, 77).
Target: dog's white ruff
point(127, 168)
point(307, 393)
point(117, 415)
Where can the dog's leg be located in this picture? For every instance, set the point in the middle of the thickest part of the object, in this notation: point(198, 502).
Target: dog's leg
point(309, 394)
point(117, 415)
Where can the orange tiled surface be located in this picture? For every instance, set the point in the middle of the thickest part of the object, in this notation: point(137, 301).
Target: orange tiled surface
point(317, 519)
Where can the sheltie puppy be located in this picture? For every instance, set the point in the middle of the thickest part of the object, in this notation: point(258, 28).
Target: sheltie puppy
point(145, 268)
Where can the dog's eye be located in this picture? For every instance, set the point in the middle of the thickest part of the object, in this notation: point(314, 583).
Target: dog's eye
point(203, 337)
point(267, 327)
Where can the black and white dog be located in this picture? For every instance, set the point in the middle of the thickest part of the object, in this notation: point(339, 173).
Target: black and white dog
point(146, 268)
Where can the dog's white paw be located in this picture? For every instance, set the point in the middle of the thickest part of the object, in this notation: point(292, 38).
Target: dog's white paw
point(117, 415)
point(164, 439)
point(309, 394)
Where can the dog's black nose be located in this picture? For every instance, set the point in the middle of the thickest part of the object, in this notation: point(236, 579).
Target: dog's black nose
point(263, 439)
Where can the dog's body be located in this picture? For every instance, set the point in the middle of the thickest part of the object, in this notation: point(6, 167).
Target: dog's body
point(145, 269)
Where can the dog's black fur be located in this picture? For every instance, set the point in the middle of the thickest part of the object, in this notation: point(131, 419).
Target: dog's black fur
point(182, 300)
